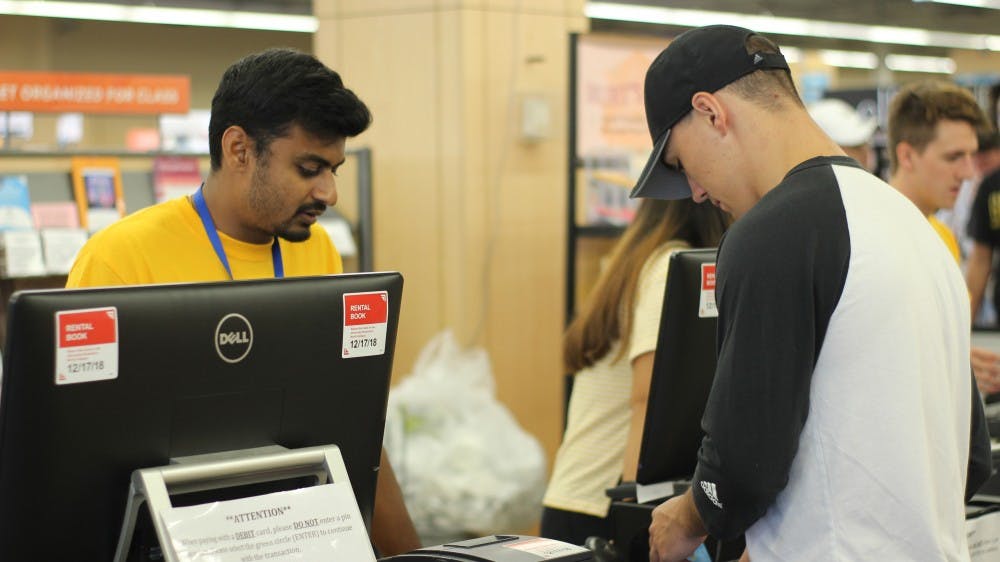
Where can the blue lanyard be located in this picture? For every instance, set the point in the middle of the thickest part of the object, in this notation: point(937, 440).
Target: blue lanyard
point(213, 237)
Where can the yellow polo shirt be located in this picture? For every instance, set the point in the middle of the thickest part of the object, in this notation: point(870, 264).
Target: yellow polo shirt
point(166, 243)
point(947, 236)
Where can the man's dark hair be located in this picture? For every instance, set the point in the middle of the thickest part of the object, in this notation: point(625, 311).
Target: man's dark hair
point(768, 88)
point(267, 92)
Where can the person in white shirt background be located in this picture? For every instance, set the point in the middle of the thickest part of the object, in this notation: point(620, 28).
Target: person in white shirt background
point(847, 127)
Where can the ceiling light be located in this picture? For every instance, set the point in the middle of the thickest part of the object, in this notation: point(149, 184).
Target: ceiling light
point(792, 54)
point(913, 63)
point(793, 26)
point(849, 59)
point(994, 4)
point(148, 14)
point(870, 61)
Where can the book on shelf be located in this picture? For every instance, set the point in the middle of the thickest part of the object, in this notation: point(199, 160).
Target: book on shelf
point(15, 203)
point(55, 214)
point(97, 189)
point(21, 253)
point(59, 248)
point(175, 176)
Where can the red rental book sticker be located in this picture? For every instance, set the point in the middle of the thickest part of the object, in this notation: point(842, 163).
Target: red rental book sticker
point(708, 277)
point(706, 303)
point(86, 345)
point(365, 316)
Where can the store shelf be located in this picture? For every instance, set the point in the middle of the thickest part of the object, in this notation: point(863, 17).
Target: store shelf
point(598, 230)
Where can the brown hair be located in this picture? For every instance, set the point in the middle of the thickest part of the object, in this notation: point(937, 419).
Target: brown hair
point(916, 110)
point(607, 316)
point(771, 89)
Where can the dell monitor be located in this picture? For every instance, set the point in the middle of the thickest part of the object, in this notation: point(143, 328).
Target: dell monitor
point(683, 370)
point(100, 382)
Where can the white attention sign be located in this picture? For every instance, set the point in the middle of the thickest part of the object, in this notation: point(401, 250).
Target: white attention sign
point(983, 533)
point(314, 523)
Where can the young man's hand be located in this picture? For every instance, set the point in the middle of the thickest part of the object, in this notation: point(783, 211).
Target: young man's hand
point(986, 367)
point(676, 530)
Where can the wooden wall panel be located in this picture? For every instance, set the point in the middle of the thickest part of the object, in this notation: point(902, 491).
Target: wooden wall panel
point(471, 214)
point(387, 62)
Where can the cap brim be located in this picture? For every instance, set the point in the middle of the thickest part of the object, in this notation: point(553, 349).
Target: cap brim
point(860, 134)
point(657, 181)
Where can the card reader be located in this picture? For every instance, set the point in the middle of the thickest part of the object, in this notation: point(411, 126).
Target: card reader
point(499, 548)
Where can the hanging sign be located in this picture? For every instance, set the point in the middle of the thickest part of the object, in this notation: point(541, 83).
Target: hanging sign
point(61, 92)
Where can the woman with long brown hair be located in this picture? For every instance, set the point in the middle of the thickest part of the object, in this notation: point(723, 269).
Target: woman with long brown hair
point(610, 346)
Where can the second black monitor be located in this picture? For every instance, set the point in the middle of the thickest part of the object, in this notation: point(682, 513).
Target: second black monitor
point(683, 370)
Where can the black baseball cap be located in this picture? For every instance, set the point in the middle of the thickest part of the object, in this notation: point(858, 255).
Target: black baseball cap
point(704, 59)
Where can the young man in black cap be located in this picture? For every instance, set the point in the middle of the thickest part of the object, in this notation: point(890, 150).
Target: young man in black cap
point(843, 423)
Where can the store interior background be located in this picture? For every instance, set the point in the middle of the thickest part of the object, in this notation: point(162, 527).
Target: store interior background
point(468, 206)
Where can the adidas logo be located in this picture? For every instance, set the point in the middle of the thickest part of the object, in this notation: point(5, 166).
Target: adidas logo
point(757, 59)
point(712, 493)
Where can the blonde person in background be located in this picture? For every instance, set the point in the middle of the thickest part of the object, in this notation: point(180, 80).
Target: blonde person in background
point(610, 347)
point(933, 128)
point(847, 128)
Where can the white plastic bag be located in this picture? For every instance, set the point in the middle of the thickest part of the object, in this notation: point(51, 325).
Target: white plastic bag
point(466, 467)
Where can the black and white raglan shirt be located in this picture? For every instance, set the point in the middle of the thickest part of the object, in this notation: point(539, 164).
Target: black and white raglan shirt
point(840, 423)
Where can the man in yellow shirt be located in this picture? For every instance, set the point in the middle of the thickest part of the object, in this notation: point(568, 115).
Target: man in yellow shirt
point(933, 130)
point(932, 142)
point(280, 119)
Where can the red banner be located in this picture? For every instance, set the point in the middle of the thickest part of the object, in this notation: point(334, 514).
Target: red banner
point(61, 92)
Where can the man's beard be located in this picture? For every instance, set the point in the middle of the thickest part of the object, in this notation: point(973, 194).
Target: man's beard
point(285, 231)
point(263, 198)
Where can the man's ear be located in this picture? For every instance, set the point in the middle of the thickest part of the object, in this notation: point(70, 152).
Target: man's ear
point(237, 147)
point(707, 106)
point(905, 153)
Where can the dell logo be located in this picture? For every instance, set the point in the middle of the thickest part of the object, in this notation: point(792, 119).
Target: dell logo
point(233, 338)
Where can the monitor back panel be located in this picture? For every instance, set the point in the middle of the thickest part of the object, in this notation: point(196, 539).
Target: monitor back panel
point(683, 370)
point(67, 451)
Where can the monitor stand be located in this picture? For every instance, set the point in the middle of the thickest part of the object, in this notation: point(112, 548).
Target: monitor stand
point(198, 473)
